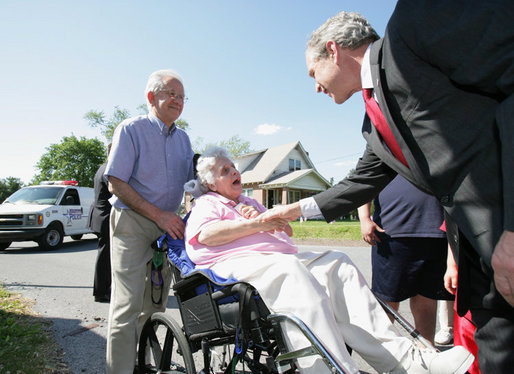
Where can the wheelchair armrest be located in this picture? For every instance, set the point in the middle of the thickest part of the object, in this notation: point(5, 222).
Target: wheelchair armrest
point(189, 282)
point(228, 290)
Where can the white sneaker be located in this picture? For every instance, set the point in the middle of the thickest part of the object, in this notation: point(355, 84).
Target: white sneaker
point(444, 336)
point(429, 361)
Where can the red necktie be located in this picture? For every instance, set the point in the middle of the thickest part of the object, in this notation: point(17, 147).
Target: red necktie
point(379, 121)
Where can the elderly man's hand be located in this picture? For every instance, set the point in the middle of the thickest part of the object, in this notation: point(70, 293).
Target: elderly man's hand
point(286, 212)
point(503, 266)
point(172, 224)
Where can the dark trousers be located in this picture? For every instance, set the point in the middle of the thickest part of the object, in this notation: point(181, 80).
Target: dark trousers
point(495, 340)
point(102, 281)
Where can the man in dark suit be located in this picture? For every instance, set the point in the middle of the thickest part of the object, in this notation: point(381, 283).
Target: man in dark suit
point(443, 77)
point(99, 223)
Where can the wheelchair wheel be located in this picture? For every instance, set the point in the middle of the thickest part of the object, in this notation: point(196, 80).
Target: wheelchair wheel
point(163, 347)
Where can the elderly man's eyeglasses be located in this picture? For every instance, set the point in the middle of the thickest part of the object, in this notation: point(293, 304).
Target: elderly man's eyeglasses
point(174, 96)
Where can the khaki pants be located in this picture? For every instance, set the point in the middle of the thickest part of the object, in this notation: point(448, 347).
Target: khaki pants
point(327, 292)
point(131, 302)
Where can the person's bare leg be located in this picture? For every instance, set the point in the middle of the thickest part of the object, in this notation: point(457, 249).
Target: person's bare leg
point(424, 312)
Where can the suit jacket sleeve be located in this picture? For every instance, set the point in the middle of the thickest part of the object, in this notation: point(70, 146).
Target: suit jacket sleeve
point(505, 120)
point(370, 177)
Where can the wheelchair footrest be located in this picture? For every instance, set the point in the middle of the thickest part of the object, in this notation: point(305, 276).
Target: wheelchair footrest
point(316, 347)
point(303, 352)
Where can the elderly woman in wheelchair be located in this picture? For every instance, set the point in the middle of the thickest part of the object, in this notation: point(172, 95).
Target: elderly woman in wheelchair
point(324, 290)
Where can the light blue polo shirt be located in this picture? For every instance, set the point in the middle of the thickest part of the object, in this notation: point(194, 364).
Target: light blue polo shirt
point(153, 159)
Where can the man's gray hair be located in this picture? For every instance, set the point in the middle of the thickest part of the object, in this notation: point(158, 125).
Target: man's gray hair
point(156, 82)
point(348, 29)
point(205, 171)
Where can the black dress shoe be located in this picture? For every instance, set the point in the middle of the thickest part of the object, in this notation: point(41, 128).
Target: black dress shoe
point(103, 299)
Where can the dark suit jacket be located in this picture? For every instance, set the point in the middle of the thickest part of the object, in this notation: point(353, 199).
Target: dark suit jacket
point(101, 209)
point(444, 78)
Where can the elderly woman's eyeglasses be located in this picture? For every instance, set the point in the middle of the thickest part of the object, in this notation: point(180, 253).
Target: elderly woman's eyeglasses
point(174, 96)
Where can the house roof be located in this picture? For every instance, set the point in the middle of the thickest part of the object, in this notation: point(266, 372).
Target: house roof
point(267, 160)
point(289, 179)
point(260, 168)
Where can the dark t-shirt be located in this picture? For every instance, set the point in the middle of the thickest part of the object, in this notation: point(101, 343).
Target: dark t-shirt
point(403, 210)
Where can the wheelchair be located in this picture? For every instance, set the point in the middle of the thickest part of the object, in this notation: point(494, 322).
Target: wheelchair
point(226, 328)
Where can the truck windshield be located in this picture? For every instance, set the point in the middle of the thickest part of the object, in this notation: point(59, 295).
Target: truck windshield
point(31, 195)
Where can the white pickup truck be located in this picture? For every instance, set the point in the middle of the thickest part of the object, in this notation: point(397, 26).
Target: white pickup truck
point(46, 213)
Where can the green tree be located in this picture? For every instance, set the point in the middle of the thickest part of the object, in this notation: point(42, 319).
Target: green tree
point(234, 145)
point(8, 186)
point(96, 118)
point(182, 124)
point(72, 158)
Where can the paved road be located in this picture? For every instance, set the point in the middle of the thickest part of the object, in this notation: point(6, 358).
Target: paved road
point(61, 283)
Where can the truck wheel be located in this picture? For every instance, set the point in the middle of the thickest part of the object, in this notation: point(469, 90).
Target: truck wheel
point(52, 238)
point(76, 237)
point(4, 245)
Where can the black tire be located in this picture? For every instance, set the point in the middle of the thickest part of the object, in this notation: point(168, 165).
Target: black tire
point(76, 237)
point(4, 245)
point(165, 340)
point(52, 238)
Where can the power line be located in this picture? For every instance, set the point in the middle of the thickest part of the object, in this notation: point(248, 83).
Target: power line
point(339, 158)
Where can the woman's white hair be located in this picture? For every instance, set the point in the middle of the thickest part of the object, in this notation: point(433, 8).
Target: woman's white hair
point(156, 82)
point(205, 171)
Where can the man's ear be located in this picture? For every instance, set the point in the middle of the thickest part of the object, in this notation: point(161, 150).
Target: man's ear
point(212, 187)
point(151, 97)
point(333, 51)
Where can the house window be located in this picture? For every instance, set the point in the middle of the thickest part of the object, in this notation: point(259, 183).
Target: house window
point(248, 192)
point(294, 164)
point(293, 196)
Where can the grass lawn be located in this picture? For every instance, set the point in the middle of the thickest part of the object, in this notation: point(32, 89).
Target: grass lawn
point(26, 341)
point(312, 230)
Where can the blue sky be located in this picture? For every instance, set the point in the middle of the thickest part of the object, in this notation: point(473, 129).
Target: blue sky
point(242, 63)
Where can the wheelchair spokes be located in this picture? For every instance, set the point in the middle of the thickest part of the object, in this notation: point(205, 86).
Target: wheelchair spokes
point(163, 348)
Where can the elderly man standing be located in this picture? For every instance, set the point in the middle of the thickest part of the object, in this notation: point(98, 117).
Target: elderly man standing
point(149, 163)
point(439, 96)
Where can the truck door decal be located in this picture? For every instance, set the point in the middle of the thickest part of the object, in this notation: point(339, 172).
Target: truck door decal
point(73, 215)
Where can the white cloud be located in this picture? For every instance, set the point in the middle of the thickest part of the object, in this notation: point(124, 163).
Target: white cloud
point(267, 129)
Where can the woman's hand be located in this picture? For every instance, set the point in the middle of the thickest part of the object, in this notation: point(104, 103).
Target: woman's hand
point(369, 231)
point(274, 224)
point(451, 274)
point(247, 211)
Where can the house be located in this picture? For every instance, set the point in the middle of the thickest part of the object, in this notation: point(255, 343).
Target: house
point(279, 175)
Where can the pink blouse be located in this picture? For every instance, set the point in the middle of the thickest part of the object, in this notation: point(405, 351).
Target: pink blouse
point(211, 208)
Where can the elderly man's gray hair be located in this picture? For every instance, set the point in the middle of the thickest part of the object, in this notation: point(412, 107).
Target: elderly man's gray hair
point(348, 29)
point(156, 82)
point(205, 171)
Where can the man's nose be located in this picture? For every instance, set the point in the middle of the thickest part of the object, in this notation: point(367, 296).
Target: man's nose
point(318, 87)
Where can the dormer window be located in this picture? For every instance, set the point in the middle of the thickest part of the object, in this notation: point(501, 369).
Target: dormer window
point(294, 164)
